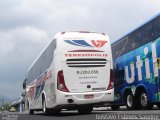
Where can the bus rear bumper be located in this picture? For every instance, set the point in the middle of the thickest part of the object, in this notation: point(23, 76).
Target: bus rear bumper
point(84, 98)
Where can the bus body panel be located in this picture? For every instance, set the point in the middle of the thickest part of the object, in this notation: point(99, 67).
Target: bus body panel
point(84, 62)
point(78, 98)
point(136, 58)
point(86, 79)
point(148, 79)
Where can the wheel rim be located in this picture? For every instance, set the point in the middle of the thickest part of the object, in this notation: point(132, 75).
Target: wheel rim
point(44, 106)
point(129, 101)
point(143, 99)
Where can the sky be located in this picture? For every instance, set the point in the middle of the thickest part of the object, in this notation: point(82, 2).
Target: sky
point(26, 26)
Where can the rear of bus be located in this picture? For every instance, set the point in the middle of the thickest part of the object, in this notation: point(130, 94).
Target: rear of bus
point(84, 72)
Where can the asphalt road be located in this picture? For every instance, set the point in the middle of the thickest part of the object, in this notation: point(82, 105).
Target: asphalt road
point(97, 114)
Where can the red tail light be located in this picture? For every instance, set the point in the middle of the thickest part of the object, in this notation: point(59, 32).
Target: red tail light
point(61, 83)
point(111, 83)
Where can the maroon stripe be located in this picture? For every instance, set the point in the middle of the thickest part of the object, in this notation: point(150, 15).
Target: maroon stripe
point(85, 51)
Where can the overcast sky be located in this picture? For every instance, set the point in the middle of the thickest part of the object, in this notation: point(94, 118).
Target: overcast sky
point(26, 26)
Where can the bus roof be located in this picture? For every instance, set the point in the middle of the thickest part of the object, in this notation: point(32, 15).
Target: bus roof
point(70, 32)
point(152, 18)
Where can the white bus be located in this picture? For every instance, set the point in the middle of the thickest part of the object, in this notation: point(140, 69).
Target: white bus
point(74, 71)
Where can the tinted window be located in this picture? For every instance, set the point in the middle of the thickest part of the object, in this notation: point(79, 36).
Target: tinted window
point(147, 33)
point(118, 49)
point(34, 71)
point(157, 28)
point(143, 35)
point(47, 56)
point(134, 41)
point(42, 63)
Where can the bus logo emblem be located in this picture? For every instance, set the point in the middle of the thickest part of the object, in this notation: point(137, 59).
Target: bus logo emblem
point(83, 43)
point(98, 43)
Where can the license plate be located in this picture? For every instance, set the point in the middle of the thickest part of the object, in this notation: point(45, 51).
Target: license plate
point(88, 96)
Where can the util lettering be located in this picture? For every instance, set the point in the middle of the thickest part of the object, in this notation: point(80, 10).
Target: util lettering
point(139, 65)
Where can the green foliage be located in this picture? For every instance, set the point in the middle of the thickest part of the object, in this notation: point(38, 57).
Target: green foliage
point(5, 106)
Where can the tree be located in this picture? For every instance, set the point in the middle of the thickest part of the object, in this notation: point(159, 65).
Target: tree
point(5, 106)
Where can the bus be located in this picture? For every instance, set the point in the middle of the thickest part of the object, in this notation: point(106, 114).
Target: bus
point(74, 71)
point(136, 59)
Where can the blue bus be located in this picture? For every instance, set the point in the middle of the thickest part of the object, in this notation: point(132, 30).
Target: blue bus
point(136, 58)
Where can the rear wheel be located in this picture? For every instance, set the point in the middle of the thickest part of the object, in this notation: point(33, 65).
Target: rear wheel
point(129, 101)
point(85, 109)
point(143, 101)
point(46, 111)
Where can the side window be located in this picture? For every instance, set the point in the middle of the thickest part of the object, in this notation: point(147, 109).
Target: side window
point(47, 56)
point(43, 61)
point(157, 28)
point(114, 51)
point(50, 53)
point(29, 77)
point(122, 46)
point(119, 48)
point(128, 46)
point(147, 33)
point(134, 41)
point(35, 70)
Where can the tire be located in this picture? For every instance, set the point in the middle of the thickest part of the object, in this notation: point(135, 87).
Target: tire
point(115, 107)
point(129, 101)
point(143, 101)
point(85, 109)
point(46, 111)
point(31, 112)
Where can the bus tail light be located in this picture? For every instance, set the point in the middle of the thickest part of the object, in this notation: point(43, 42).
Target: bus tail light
point(111, 83)
point(61, 83)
